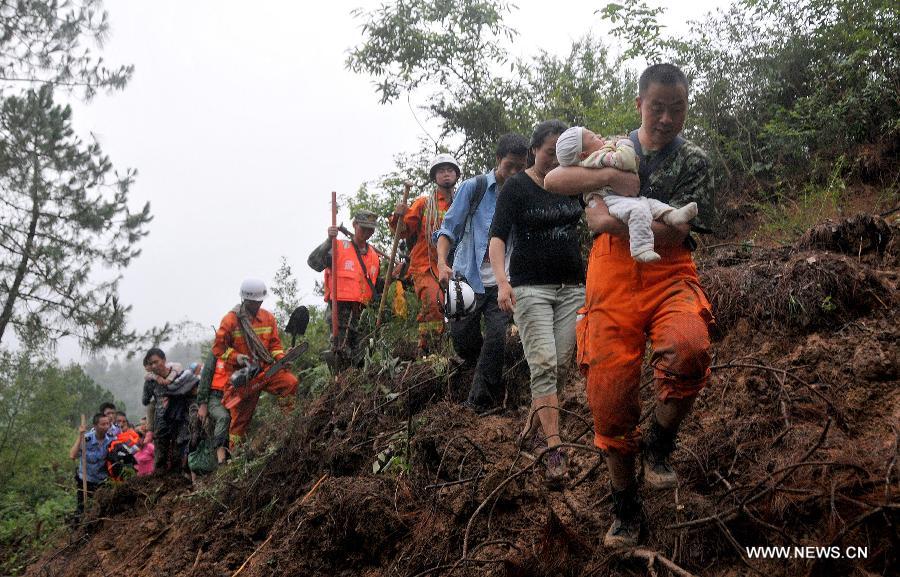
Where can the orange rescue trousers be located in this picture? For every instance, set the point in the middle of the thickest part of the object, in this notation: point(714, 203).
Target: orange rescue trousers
point(430, 317)
point(627, 302)
point(283, 384)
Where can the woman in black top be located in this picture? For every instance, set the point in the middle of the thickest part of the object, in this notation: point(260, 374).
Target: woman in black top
point(545, 288)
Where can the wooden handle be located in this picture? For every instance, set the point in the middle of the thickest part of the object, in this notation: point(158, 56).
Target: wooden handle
point(390, 268)
point(334, 305)
point(84, 488)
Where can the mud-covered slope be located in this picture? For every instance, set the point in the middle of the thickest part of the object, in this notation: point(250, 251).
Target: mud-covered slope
point(793, 443)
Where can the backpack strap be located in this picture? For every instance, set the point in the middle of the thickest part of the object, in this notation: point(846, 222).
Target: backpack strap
point(646, 169)
point(362, 265)
point(477, 196)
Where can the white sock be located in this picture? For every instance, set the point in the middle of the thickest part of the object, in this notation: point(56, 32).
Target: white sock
point(681, 215)
point(647, 256)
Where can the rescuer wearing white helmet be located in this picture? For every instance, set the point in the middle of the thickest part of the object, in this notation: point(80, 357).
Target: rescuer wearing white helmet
point(420, 221)
point(248, 335)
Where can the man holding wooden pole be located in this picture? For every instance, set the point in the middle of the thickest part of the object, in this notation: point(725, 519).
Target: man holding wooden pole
point(416, 224)
point(351, 271)
point(90, 451)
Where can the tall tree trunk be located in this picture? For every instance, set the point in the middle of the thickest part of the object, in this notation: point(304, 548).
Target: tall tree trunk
point(13, 294)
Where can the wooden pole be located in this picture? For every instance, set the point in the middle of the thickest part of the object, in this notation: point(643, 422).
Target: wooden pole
point(334, 241)
point(84, 492)
point(390, 268)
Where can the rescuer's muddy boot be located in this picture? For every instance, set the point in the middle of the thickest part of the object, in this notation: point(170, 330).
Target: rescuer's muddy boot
point(628, 519)
point(658, 446)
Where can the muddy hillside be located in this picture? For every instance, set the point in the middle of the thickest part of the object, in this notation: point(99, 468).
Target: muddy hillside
point(794, 443)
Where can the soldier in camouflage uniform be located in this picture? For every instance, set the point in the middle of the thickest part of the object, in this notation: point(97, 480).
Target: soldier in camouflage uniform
point(628, 301)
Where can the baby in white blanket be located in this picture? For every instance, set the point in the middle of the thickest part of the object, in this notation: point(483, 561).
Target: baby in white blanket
point(579, 146)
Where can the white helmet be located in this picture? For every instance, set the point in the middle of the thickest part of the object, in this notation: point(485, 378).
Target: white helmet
point(440, 159)
point(253, 289)
point(459, 300)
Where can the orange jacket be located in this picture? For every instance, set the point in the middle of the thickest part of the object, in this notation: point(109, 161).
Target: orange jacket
point(230, 338)
point(220, 376)
point(423, 256)
point(351, 279)
point(129, 438)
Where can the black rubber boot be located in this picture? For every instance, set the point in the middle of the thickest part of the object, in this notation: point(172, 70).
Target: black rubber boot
point(658, 446)
point(628, 519)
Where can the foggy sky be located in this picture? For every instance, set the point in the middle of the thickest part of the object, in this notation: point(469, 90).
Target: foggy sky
point(241, 119)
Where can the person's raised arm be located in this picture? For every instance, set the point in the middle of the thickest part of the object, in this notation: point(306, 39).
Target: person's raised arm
point(575, 180)
point(75, 451)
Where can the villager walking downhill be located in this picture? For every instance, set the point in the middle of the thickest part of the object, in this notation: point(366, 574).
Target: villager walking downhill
point(466, 228)
point(545, 285)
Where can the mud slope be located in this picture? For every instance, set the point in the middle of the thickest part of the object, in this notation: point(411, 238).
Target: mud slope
point(793, 443)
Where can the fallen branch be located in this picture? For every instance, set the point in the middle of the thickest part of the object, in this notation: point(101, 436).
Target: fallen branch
point(652, 557)
point(732, 513)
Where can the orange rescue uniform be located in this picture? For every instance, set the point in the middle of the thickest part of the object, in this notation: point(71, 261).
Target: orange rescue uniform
point(627, 302)
point(423, 262)
point(229, 343)
point(352, 285)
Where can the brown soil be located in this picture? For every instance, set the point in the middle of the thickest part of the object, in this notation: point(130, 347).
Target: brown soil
point(794, 442)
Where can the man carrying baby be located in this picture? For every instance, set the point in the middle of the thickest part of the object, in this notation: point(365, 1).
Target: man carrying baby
point(629, 301)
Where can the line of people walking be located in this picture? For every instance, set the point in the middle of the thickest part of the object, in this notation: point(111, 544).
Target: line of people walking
point(505, 247)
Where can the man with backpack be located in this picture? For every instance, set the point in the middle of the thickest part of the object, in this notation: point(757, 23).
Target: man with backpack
point(628, 301)
point(466, 227)
point(420, 221)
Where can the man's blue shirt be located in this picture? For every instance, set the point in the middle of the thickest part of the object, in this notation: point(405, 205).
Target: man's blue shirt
point(472, 241)
point(96, 456)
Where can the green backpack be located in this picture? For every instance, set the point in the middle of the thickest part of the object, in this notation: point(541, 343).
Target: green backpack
point(202, 460)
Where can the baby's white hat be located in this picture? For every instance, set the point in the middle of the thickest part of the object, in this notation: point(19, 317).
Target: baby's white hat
point(568, 146)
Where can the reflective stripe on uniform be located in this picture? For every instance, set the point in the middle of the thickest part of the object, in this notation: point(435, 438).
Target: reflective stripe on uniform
point(258, 330)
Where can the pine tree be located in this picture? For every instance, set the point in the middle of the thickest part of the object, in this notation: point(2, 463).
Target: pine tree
point(63, 210)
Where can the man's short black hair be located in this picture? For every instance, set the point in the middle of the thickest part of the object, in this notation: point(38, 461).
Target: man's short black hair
point(667, 74)
point(154, 352)
point(512, 143)
point(105, 406)
point(97, 418)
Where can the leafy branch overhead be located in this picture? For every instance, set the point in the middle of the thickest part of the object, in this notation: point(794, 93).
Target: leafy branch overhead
point(49, 42)
point(409, 43)
point(457, 54)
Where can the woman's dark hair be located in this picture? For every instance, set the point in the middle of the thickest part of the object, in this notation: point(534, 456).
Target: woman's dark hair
point(542, 132)
point(154, 352)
